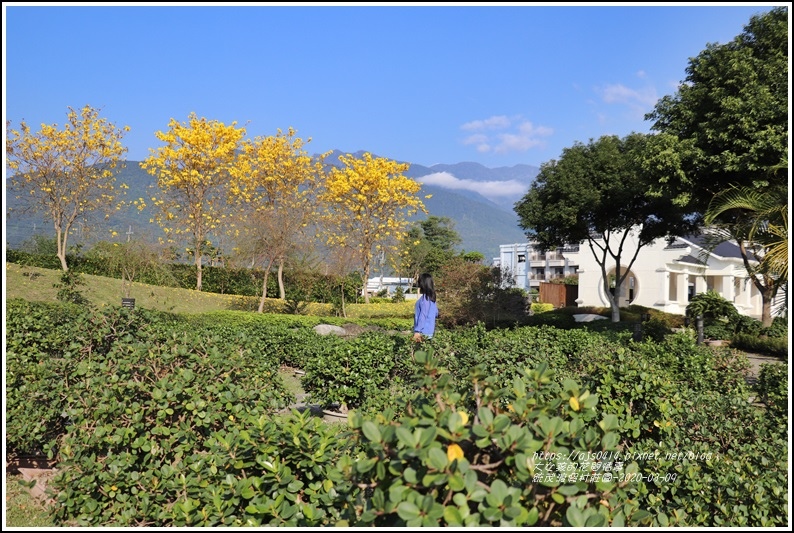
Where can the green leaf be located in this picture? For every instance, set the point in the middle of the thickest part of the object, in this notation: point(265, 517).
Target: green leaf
point(406, 437)
point(609, 422)
point(568, 490)
point(426, 436)
point(452, 516)
point(456, 482)
point(575, 517)
point(499, 492)
point(371, 431)
point(610, 441)
point(365, 465)
point(408, 511)
point(437, 459)
point(532, 517)
point(486, 416)
point(595, 520)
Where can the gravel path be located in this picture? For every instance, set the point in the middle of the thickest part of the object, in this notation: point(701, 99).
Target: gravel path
point(756, 360)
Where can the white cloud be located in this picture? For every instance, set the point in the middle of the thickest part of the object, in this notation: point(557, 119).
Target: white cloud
point(638, 101)
point(489, 189)
point(493, 123)
point(520, 135)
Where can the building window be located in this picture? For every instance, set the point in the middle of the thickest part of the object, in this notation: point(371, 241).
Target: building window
point(522, 258)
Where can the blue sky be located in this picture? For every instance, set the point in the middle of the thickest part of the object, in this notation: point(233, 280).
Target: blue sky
point(494, 84)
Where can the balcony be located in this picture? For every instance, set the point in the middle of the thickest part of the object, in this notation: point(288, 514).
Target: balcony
point(537, 259)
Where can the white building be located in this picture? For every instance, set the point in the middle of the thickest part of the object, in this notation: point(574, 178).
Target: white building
point(663, 276)
point(390, 284)
point(529, 267)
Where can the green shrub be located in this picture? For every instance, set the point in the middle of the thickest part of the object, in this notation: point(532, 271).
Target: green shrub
point(711, 306)
point(656, 329)
point(141, 412)
point(778, 329)
point(778, 346)
point(39, 346)
point(746, 325)
point(501, 462)
point(716, 461)
point(772, 388)
point(718, 330)
point(539, 307)
point(165, 420)
point(348, 373)
point(68, 288)
point(264, 471)
point(398, 296)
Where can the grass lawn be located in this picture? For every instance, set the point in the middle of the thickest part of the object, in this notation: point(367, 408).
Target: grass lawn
point(23, 510)
point(38, 284)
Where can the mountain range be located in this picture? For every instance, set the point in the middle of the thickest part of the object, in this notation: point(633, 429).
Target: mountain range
point(479, 201)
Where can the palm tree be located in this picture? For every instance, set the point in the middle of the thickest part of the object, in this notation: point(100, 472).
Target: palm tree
point(757, 219)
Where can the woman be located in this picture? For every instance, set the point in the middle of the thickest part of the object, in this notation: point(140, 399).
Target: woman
point(425, 310)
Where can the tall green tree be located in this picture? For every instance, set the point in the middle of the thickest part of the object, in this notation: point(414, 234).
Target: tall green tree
point(428, 244)
point(730, 114)
point(730, 122)
point(599, 193)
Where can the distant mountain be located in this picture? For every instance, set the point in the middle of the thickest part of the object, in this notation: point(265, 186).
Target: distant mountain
point(481, 223)
point(482, 226)
point(502, 187)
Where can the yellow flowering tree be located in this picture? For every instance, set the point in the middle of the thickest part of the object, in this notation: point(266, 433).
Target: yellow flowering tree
point(193, 170)
point(66, 174)
point(275, 189)
point(369, 202)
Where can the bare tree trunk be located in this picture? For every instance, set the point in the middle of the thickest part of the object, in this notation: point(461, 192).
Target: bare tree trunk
point(344, 311)
point(62, 236)
point(264, 295)
point(615, 300)
point(766, 307)
point(366, 283)
point(198, 270)
point(282, 293)
point(766, 286)
point(264, 288)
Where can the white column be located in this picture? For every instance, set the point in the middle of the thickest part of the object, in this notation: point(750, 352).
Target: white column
point(747, 289)
point(727, 288)
point(700, 284)
point(683, 287)
point(664, 287)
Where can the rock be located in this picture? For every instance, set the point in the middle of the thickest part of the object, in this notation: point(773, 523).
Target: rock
point(328, 329)
point(354, 329)
point(588, 317)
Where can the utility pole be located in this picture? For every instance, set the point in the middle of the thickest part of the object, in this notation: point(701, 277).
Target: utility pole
point(129, 232)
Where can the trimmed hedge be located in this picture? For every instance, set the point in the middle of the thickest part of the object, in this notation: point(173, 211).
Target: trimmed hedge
point(165, 420)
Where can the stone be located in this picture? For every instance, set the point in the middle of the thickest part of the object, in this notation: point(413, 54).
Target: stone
point(328, 329)
point(588, 317)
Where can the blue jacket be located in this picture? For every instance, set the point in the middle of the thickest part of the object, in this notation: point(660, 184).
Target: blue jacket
point(425, 314)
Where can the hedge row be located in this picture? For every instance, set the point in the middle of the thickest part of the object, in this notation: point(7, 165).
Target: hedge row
point(159, 420)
